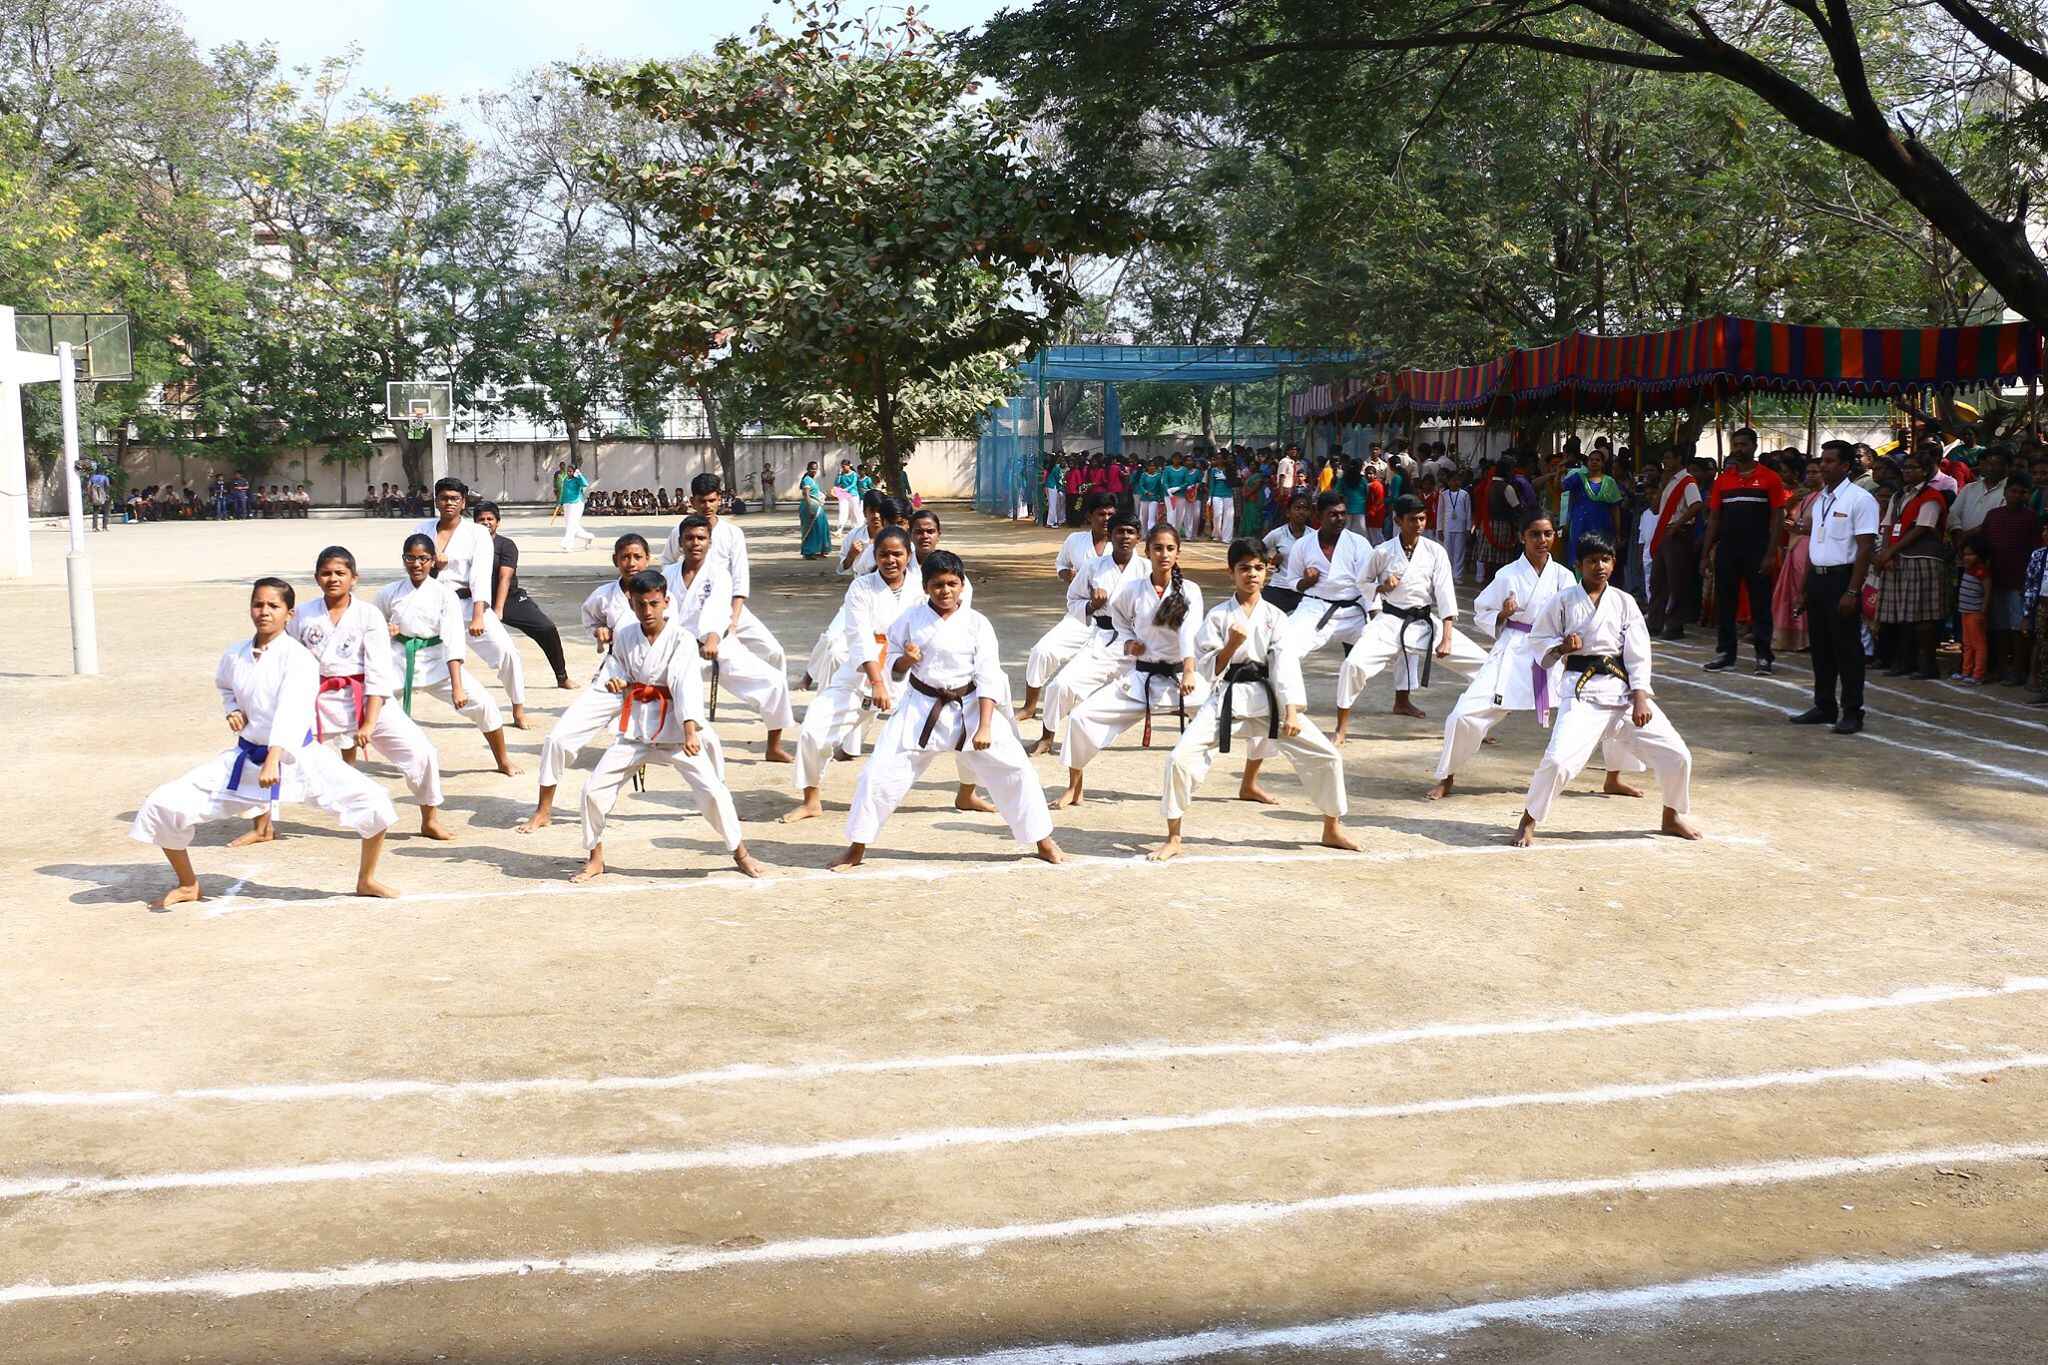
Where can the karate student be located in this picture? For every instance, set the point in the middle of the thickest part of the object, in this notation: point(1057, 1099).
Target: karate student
point(608, 607)
point(1514, 677)
point(946, 652)
point(833, 724)
point(1083, 547)
point(1283, 589)
point(425, 621)
point(1083, 622)
point(1605, 645)
point(654, 672)
point(1418, 606)
point(1096, 660)
point(269, 685)
point(701, 592)
point(1245, 650)
point(1156, 618)
point(348, 638)
point(466, 557)
point(828, 650)
point(1330, 571)
point(729, 551)
point(856, 557)
point(925, 534)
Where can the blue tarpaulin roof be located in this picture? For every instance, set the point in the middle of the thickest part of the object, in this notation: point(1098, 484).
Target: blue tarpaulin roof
point(1182, 364)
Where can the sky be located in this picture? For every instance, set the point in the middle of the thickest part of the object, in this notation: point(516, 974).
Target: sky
point(459, 48)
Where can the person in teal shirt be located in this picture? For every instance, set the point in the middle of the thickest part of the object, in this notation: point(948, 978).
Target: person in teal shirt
point(1151, 491)
point(1222, 501)
point(1055, 484)
point(1177, 476)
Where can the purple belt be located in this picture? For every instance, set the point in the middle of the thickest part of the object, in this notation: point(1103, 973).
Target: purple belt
point(1539, 679)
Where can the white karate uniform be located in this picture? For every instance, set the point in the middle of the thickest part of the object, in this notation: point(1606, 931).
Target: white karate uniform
point(1343, 579)
point(863, 553)
point(1280, 543)
point(1107, 712)
point(275, 690)
point(1268, 640)
point(425, 612)
point(1078, 551)
point(1096, 659)
point(472, 562)
point(838, 714)
point(1599, 712)
point(1076, 630)
point(957, 650)
point(703, 606)
point(653, 732)
point(1426, 581)
point(729, 552)
point(358, 646)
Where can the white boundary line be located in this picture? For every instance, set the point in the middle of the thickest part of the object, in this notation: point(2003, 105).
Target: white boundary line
point(1402, 1333)
point(932, 1241)
point(1808, 1007)
point(757, 1157)
point(1701, 652)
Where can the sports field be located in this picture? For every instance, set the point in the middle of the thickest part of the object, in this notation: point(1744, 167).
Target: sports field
point(1780, 1094)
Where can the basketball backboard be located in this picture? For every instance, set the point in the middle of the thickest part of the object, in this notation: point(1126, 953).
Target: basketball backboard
point(100, 342)
point(417, 401)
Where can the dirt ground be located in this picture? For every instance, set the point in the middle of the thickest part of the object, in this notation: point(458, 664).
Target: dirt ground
point(1779, 1094)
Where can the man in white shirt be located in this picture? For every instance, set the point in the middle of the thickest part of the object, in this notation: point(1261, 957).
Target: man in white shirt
point(1674, 558)
point(1977, 497)
point(1287, 473)
point(1840, 541)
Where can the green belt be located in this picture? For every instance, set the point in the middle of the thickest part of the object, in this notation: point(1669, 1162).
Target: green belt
point(413, 645)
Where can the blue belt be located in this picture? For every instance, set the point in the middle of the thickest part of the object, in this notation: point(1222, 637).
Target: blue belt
point(259, 752)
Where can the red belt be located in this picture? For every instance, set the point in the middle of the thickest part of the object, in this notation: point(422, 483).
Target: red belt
point(648, 692)
point(352, 683)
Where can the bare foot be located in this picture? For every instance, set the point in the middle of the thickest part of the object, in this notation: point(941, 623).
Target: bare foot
point(1070, 797)
point(1049, 852)
point(775, 753)
point(1440, 790)
point(1339, 735)
point(366, 886)
point(508, 768)
point(1616, 787)
point(1025, 713)
point(540, 819)
point(519, 716)
point(565, 685)
point(431, 826)
point(850, 859)
point(1166, 852)
point(747, 862)
point(811, 809)
point(969, 799)
point(1252, 791)
point(1525, 833)
point(1678, 826)
point(841, 756)
point(1403, 707)
point(1042, 746)
point(590, 871)
point(177, 895)
point(1335, 837)
point(261, 834)
point(1489, 740)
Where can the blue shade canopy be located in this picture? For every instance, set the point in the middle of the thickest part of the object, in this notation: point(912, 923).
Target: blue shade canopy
point(1183, 364)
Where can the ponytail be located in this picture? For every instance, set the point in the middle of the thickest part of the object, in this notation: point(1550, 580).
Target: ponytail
point(1173, 608)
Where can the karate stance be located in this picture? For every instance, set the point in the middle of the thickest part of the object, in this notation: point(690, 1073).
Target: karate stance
point(349, 639)
point(427, 645)
point(828, 651)
point(947, 653)
point(701, 580)
point(268, 686)
point(1605, 645)
point(1084, 641)
point(1418, 603)
point(729, 552)
point(466, 559)
point(1245, 650)
point(654, 671)
point(1078, 554)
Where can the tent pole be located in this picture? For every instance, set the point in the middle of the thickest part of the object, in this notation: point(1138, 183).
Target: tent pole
point(1720, 455)
point(1813, 426)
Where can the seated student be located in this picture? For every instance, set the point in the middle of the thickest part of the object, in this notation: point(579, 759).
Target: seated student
point(302, 502)
point(268, 685)
point(188, 506)
point(661, 502)
point(1605, 645)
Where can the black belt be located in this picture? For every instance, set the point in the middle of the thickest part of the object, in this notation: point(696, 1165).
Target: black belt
point(1104, 623)
point(1591, 666)
point(1246, 672)
point(1154, 669)
point(1287, 599)
point(1408, 616)
point(1332, 608)
point(941, 698)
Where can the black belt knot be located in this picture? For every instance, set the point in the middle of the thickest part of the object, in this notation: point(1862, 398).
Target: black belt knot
point(1247, 672)
point(1408, 616)
point(1332, 608)
point(1591, 666)
point(1154, 669)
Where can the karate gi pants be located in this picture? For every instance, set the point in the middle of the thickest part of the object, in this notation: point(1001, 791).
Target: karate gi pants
point(480, 708)
point(1223, 518)
point(1313, 757)
point(1379, 645)
point(828, 652)
point(1066, 639)
point(494, 649)
point(1579, 729)
point(1084, 673)
point(396, 736)
point(1473, 718)
point(704, 775)
point(1002, 770)
point(1101, 717)
point(759, 684)
point(759, 640)
point(574, 537)
point(173, 811)
point(1344, 627)
point(593, 711)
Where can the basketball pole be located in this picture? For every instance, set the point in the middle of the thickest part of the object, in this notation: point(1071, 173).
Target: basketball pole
point(437, 428)
point(85, 645)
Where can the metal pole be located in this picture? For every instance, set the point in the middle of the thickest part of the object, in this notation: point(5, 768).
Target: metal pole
point(85, 648)
point(13, 458)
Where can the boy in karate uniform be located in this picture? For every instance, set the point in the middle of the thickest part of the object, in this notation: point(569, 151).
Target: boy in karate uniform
point(947, 654)
point(1411, 580)
point(1070, 635)
point(465, 557)
point(268, 686)
point(654, 672)
point(699, 596)
point(729, 553)
point(1599, 634)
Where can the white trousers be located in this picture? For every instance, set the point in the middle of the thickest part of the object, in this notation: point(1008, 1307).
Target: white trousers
point(1314, 759)
point(593, 711)
point(833, 721)
point(1308, 632)
point(494, 649)
point(1581, 727)
point(1474, 717)
point(1069, 636)
point(1002, 770)
point(1150, 514)
point(1379, 644)
point(572, 526)
point(1092, 668)
point(849, 512)
point(1055, 507)
point(173, 811)
point(1455, 543)
point(480, 708)
point(758, 639)
point(704, 775)
point(828, 652)
point(1223, 518)
point(396, 736)
point(1187, 516)
point(1105, 714)
point(757, 683)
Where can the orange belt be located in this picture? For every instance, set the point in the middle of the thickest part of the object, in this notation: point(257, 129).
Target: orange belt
point(647, 692)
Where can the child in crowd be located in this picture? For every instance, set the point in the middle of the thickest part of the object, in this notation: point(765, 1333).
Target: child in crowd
point(1973, 596)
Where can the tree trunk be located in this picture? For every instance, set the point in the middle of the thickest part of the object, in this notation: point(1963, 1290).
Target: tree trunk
point(721, 441)
point(415, 456)
point(1207, 407)
point(892, 459)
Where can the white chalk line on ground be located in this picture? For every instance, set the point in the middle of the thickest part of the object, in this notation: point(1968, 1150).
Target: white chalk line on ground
point(781, 878)
point(758, 1157)
point(932, 1241)
point(1405, 1332)
point(1810, 1007)
point(1986, 699)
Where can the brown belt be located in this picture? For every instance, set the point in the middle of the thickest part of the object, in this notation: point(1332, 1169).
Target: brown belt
point(942, 697)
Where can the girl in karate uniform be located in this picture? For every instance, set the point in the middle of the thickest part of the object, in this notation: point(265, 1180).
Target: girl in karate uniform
point(946, 653)
point(1156, 618)
point(657, 681)
point(700, 595)
point(828, 651)
point(425, 622)
point(925, 532)
point(606, 612)
point(1245, 651)
point(1599, 633)
point(837, 715)
point(1514, 677)
point(268, 688)
point(1078, 655)
point(349, 638)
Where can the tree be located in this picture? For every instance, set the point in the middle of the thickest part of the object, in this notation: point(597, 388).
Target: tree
point(852, 218)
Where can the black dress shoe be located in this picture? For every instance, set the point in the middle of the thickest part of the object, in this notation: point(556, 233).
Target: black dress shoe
point(1766, 666)
point(1816, 716)
point(1719, 662)
point(1849, 724)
